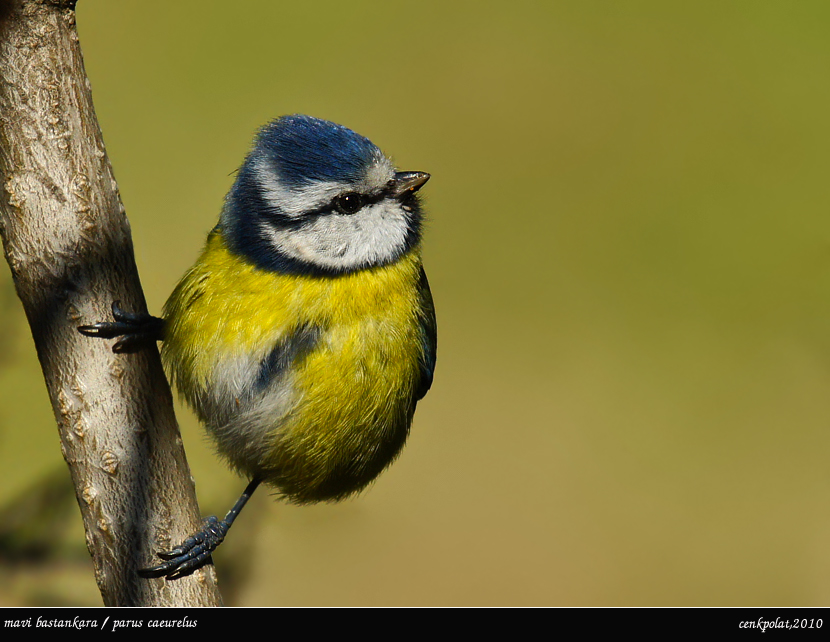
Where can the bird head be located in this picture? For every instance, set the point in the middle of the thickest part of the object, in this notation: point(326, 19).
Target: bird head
point(314, 197)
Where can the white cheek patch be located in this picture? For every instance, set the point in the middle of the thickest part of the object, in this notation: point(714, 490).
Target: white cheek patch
point(375, 235)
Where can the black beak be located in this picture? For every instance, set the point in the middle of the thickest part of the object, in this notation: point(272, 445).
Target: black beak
point(408, 183)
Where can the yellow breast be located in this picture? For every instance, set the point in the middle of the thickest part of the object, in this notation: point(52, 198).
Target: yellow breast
point(340, 412)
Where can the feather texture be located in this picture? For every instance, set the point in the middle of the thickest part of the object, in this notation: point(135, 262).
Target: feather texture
point(345, 360)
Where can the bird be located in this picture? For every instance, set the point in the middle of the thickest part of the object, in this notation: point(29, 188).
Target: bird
point(304, 335)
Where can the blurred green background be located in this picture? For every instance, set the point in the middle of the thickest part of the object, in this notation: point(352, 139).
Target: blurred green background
point(629, 248)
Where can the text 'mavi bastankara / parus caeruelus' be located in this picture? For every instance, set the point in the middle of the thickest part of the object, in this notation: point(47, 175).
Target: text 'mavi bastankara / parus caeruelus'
point(304, 335)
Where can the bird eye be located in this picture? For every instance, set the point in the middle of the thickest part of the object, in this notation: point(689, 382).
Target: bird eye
point(348, 203)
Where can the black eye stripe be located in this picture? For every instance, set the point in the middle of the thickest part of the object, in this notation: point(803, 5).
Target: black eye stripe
point(345, 203)
point(353, 202)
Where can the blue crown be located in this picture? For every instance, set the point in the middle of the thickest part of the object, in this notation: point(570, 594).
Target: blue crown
point(306, 150)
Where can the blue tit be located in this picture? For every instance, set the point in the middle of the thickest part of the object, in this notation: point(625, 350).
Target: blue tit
point(304, 335)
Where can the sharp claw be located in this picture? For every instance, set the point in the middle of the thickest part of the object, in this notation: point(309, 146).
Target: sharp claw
point(157, 571)
point(191, 565)
point(134, 331)
point(191, 554)
point(104, 330)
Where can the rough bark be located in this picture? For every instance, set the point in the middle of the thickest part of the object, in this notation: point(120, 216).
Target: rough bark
point(67, 241)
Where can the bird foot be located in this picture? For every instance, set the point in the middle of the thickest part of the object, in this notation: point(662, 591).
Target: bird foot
point(137, 331)
point(191, 554)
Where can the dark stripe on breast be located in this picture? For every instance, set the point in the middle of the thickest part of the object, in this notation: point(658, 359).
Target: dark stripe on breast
point(287, 353)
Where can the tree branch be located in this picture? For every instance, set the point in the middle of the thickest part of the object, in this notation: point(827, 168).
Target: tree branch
point(67, 241)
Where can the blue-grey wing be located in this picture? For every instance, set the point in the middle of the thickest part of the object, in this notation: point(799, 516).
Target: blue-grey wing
point(429, 336)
